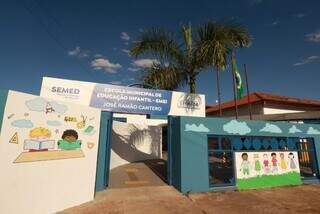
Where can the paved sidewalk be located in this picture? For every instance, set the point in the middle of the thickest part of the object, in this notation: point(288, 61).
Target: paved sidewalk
point(136, 175)
point(303, 199)
point(147, 200)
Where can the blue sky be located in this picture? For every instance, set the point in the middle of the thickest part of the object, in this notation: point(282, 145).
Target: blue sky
point(88, 40)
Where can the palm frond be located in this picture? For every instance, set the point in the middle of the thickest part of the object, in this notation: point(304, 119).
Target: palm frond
point(217, 40)
point(238, 35)
point(187, 36)
point(213, 48)
point(164, 77)
point(159, 43)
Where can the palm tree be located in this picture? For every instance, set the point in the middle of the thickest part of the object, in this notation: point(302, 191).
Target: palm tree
point(217, 42)
point(177, 63)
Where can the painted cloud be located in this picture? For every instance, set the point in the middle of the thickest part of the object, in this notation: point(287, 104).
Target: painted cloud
point(22, 123)
point(312, 130)
point(294, 129)
point(40, 104)
point(271, 128)
point(236, 127)
point(53, 123)
point(195, 128)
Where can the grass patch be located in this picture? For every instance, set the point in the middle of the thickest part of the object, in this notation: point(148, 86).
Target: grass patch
point(267, 181)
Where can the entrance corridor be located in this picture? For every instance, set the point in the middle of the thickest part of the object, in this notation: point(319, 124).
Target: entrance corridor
point(137, 174)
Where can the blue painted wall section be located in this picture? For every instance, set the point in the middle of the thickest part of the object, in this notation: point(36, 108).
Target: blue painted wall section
point(103, 161)
point(191, 136)
point(3, 101)
point(174, 152)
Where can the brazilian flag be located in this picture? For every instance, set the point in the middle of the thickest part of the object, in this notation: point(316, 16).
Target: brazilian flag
point(239, 84)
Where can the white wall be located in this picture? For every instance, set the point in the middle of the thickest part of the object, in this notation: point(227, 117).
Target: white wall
point(134, 142)
point(57, 181)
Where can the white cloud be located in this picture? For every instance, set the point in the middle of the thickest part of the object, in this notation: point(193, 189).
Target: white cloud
point(300, 15)
point(144, 63)
point(125, 36)
point(307, 60)
point(274, 23)
point(194, 128)
point(77, 52)
point(98, 56)
point(271, 128)
point(312, 130)
point(106, 65)
point(126, 51)
point(133, 69)
point(236, 127)
point(313, 37)
point(294, 129)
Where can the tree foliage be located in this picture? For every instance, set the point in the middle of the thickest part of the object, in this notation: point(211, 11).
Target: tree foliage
point(180, 60)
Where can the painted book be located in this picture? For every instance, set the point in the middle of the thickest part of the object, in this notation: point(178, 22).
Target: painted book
point(38, 145)
point(65, 145)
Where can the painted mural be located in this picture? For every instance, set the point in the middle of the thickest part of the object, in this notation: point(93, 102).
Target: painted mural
point(47, 149)
point(266, 169)
point(49, 130)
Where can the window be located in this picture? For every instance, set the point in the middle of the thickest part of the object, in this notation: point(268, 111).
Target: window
point(213, 144)
point(220, 156)
point(221, 168)
point(307, 158)
point(226, 143)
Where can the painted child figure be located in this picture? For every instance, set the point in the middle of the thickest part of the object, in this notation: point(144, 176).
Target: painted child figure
point(283, 163)
point(257, 164)
point(274, 162)
point(245, 165)
point(69, 140)
point(292, 162)
point(266, 166)
point(39, 140)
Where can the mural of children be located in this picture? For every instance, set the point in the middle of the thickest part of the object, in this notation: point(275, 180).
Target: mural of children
point(257, 164)
point(69, 140)
point(39, 140)
point(283, 163)
point(245, 165)
point(274, 162)
point(292, 162)
point(266, 166)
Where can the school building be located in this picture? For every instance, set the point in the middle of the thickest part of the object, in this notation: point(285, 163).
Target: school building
point(266, 106)
point(78, 138)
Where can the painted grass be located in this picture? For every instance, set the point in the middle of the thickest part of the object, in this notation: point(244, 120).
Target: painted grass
point(267, 181)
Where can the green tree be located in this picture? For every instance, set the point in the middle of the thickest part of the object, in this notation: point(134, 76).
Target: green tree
point(177, 61)
point(218, 40)
point(216, 45)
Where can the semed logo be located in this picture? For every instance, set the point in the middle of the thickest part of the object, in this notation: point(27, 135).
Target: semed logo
point(62, 90)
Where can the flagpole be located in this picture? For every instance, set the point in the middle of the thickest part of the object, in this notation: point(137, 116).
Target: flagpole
point(219, 91)
point(248, 92)
point(234, 87)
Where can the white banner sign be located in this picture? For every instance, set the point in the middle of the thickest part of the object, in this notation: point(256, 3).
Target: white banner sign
point(124, 99)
